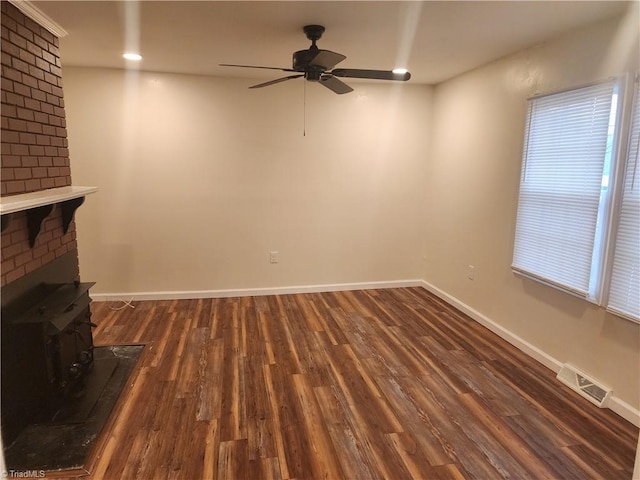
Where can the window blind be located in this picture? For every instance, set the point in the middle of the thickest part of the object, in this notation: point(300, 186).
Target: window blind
point(560, 186)
point(624, 290)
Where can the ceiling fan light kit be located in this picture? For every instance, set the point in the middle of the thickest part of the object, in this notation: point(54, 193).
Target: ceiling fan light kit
point(317, 65)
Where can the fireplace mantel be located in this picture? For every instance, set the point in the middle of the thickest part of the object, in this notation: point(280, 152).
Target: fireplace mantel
point(39, 205)
point(25, 201)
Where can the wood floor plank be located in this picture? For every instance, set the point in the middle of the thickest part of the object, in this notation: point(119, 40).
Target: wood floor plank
point(291, 436)
point(189, 376)
point(323, 455)
point(409, 450)
point(233, 417)
point(279, 440)
point(470, 446)
point(506, 437)
point(544, 446)
point(449, 472)
point(348, 450)
point(175, 360)
point(157, 346)
point(233, 461)
point(595, 466)
point(212, 450)
point(417, 422)
point(372, 384)
point(260, 429)
point(264, 469)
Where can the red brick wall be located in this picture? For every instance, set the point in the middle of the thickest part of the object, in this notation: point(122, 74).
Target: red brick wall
point(34, 139)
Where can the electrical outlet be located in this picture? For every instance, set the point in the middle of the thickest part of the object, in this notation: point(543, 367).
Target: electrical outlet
point(273, 257)
point(471, 274)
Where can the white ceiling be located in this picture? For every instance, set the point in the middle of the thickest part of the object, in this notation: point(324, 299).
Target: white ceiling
point(435, 40)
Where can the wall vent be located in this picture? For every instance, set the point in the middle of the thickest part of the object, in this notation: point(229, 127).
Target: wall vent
point(586, 386)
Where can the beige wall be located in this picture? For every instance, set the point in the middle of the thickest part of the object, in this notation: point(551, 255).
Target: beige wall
point(472, 185)
point(200, 178)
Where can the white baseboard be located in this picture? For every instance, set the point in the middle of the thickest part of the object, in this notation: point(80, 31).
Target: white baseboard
point(252, 292)
point(625, 410)
point(619, 406)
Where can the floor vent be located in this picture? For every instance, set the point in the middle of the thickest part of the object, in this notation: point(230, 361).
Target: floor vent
point(593, 391)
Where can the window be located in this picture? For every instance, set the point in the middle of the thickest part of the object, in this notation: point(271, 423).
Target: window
point(624, 292)
point(566, 203)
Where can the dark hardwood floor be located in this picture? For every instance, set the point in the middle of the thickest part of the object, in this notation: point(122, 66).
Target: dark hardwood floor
point(392, 384)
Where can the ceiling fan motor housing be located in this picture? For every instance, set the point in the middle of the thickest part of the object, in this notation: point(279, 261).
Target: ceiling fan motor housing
point(302, 60)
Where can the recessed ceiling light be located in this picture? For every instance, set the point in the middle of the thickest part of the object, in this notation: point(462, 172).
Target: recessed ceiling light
point(400, 71)
point(132, 56)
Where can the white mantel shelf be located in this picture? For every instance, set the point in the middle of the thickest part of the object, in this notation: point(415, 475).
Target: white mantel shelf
point(26, 201)
point(39, 205)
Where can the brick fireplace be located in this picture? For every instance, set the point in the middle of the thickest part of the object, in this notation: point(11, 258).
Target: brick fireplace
point(47, 344)
point(35, 153)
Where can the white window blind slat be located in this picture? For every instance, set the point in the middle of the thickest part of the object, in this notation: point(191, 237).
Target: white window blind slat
point(560, 187)
point(624, 289)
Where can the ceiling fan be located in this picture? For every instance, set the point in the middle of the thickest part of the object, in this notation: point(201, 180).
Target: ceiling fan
point(316, 65)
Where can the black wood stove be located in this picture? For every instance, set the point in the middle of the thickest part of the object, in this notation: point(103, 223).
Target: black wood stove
point(47, 348)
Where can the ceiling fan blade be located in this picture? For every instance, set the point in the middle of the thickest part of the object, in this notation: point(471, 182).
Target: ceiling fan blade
point(335, 85)
point(326, 59)
point(372, 74)
point(256, 66)
point(273, 82)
